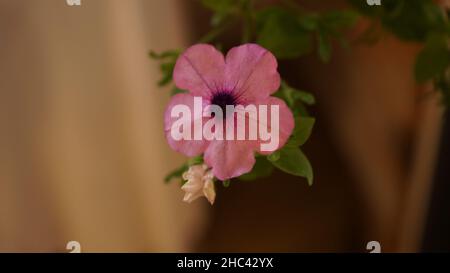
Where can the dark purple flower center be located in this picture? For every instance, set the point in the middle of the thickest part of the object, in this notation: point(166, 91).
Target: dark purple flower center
point(222, 99)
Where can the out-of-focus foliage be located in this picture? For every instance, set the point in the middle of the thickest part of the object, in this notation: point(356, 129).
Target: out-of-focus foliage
point(422, 21)
point(410, 20)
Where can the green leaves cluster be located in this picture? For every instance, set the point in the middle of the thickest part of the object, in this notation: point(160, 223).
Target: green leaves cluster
point(410, 20)
point(167, 61)
point(434, 59)
point(418, 21)
point(290, 158)
point(281, 32)
point(286, 29)
point(292, 33)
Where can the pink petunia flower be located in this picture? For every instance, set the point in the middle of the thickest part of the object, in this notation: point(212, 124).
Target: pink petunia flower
point(247, 75)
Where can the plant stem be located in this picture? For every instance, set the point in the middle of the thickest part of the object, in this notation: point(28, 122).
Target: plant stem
point(248, 18)
point(215, 32)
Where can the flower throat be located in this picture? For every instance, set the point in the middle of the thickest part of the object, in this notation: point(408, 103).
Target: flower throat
point(222, 99)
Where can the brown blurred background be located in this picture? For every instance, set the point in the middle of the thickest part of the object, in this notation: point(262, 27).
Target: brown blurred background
point(83, 154)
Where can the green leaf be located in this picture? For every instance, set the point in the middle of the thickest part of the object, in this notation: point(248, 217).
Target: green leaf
point(261, 169)
point(291, 95)
point(167, 72)
point(168, 59)
point(226, 183)
point(434, 59)
point(304, 97)
point(302, 131)
point(274, 156)
point(164, 55)
point(331, 25)
point(177, 173)
point(195, 160)
point(293, 161)
point(280, 32)
point(176, 90)
point(407, 21)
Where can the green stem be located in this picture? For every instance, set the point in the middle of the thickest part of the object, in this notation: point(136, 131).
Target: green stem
point(216, 32)
point(248, 19)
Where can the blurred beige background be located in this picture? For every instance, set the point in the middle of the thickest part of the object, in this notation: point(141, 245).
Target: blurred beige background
point(83, 155)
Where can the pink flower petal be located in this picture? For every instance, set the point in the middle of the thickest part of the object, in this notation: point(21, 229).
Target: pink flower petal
point(286, 121)
point(199, 70)
point(229, 159)
point(186, 147)
point(253, 71)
